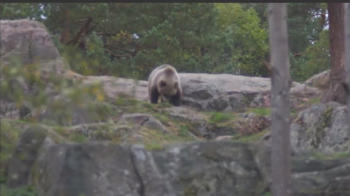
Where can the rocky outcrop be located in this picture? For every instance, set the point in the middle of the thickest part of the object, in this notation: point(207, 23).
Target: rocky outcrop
point(320, 80)
point(28, 39)
point(321, 128)
point(202, 91)
point(26, 44)
point(114, 87)
point(221, 92)
point(200, 168)
point(213, 92)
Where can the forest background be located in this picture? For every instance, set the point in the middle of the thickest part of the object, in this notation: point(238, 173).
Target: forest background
point(130, 39)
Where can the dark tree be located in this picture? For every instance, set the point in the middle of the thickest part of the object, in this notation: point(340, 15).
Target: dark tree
point(347, 49)
point(280, 84)
point(336, 91)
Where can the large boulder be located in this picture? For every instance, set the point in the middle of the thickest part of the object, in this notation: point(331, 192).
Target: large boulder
point(114, 87)
point(321, 128)
point(28, 57)
point(221, 92)
point(27, 41)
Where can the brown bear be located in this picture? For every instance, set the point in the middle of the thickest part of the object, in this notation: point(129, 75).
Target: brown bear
point(164, 83)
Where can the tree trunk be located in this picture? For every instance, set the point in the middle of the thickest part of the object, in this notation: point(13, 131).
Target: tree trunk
point(347, 49)
point(66, 28)
point(280, 85)
point(82, 32)
point(336, 91)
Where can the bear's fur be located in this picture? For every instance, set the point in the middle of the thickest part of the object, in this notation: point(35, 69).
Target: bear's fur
point(164, 84)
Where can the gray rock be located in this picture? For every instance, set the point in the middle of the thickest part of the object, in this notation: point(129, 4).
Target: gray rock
point(221, 92)
point(87, 169)
point(310, 176)
point(26, 152)
point(194, 118)
point(9, 110)
point(114, 87)
point(217, 168)
point(24, 156)
point(332, 181)
point(143, 120)
point(302, 90)
point(210, 168)
point(321, 128)
point(152, 181)
point(28, 39)
point(103, 131)
point(62, 110)
point(213, 92)
point(320, 80)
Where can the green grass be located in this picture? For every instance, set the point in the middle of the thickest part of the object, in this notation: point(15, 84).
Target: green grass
point(267, 194)
point(20, 191)
point(219, 117)
point(314, 100)
point(336, 155)
point(251, 137)
point(155, 140)
point(260, 111)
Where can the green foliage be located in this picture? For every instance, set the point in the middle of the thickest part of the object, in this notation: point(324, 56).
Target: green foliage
point(260, 111)
point(184, 132)
point(16, 81)
point(244, 41)
point(304, 24)
point(218, 117)
point(267, 194)
point(129, 39)
point(155, 140)
point(20, 191)
point(309, 42)
point(315, 60)
point(336, 155)
point(27, 86)
point(21, 10)
point(314, 100)
point(9, 135)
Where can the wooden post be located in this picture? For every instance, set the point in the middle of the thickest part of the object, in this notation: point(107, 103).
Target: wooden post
point(280, 85)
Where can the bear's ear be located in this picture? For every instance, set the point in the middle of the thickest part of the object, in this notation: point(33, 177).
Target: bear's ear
point(154, 95)
point(176, 99)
